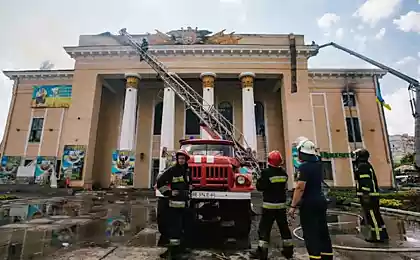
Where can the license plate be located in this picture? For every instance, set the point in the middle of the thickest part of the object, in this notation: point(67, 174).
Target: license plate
point(203, 195)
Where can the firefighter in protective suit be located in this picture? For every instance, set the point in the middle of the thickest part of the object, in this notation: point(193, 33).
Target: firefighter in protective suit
point(175, 184)
point(310, 199)
point(273, 184)
point(367, 189)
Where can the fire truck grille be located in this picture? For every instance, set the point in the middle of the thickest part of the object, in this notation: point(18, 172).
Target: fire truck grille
point(216, 173)
point(212, 174)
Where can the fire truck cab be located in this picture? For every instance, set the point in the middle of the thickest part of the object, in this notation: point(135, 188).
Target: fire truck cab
point(221, 187)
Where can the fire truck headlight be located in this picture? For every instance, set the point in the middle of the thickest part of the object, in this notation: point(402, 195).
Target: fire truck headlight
point(240, 180)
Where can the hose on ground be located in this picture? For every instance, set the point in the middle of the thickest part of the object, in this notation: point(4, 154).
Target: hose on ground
point(364, 249)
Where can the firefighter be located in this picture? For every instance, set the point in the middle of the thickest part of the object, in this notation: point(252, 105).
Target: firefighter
point(174, 183)
point(309, 197)
point(273, 184)
point(367, 191)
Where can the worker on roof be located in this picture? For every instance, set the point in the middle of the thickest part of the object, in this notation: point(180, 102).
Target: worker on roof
point(273, 184)
point(368, 192)
point(309, 197)
point(175, 183)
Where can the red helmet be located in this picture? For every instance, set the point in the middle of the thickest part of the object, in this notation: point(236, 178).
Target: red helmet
point(275, 159)
point(184, 153)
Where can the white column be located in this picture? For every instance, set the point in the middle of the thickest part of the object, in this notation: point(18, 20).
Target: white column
point(168, 125)
point(248, 113)
point(128, 125)
point(207, 79)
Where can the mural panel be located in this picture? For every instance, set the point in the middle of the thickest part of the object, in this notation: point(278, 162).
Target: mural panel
point(73, 161)
point(8, 168)
point(122, 172)
point(45, 166)
point(51, 96)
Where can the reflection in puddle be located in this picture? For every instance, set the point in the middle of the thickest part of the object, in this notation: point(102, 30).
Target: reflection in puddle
point(41, 227)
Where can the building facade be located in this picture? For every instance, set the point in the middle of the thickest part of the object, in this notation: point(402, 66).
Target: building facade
point(401, 145)
point(74, 120)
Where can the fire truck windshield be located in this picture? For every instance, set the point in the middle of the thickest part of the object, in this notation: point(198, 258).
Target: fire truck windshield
point(209, 149)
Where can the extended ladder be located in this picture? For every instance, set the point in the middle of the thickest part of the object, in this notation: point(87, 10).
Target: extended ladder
point(208, 114)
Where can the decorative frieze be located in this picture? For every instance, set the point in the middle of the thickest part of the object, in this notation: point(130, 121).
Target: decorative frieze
point(191, 50)
point(345, 73)
point(39, 74)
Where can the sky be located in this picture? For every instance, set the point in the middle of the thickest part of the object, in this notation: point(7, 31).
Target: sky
point(385, 30)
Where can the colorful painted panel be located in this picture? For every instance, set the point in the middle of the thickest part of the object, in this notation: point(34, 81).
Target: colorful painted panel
point(51, 96)
point(170, 159)
point(45, 166)
point(8, 168)
point(122, 172)
point(73, 161)
point(296, 162)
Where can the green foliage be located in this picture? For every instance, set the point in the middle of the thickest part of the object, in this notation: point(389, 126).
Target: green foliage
point(7, 197)
point(408, 159)
point(405, 200)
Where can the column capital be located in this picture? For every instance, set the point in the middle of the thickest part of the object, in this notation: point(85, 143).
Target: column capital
point(208, 78)
point(132, 80)
point(247, 79)
point(207, 74)
point(246, 74)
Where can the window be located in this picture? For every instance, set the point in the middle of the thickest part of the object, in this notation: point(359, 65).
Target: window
point(225, 108)
point(192, 123)
point(36, 130)
point(157, 120)
point(155, 171)
point(349, 99)
point(27, 162)
point(327, 168)
point(259, 118)
point(57, 169)
point(209, 149)
point(353, 129)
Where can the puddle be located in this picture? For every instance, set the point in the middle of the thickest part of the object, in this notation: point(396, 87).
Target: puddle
point(100, 222)
point(40, 227)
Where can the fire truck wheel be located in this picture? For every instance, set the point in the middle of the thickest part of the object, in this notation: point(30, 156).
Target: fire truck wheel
point(243, 221)
point(243, 226)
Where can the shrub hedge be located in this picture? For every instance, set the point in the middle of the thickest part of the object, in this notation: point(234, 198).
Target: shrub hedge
point(7, 197)
point(405, 200)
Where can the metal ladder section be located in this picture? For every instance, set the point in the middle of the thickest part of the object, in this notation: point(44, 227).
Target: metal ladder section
point(207, 114)
point(264, 137)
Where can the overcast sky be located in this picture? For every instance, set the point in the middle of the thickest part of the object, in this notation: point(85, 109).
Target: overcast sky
point(385, 30)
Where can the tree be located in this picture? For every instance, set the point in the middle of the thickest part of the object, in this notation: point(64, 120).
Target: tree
point(408, 159)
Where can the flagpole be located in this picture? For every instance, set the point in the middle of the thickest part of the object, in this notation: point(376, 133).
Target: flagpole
point(385, 129)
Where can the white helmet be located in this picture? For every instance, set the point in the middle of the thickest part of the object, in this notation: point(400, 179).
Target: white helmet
point(299, 140)
point(307, 147)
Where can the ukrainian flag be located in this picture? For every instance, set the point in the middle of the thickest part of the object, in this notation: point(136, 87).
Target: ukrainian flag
point(379, 97)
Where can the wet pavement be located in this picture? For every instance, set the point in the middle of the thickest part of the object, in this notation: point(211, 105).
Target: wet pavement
point(106, 226)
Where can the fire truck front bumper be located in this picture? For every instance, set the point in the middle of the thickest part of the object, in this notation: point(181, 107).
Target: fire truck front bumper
point(216, 195)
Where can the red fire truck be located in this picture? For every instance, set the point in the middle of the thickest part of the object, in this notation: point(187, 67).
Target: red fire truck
point(222, 187)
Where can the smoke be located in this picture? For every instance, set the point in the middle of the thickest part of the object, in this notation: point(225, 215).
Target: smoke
point(46, 65)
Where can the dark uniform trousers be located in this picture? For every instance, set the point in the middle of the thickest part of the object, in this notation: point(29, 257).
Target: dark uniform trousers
point(273, 185)
point(162, 219)
point(176, 211)
point(270, 214)
point(313, 219)
point(374, 228)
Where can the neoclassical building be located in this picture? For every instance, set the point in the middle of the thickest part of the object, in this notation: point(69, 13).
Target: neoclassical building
point(72, 121)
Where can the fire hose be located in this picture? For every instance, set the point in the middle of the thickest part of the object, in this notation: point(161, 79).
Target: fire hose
point(363, 249)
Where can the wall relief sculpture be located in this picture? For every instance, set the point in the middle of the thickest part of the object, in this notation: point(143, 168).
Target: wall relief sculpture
point(191, 36)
